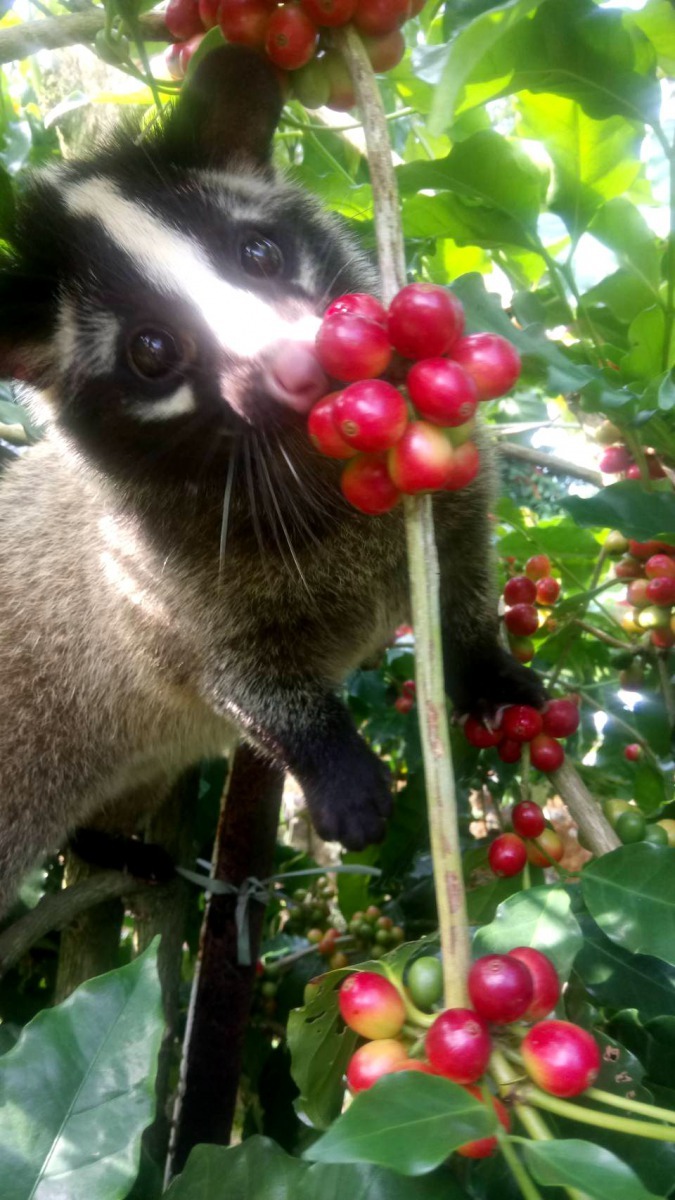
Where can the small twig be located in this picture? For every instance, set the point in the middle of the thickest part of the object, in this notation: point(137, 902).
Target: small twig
point(19, 41)
point(587, 813)
point(551, 462)
point(607, 638)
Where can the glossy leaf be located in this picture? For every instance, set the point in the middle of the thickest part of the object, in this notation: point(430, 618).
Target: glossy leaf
point(77, 1090)
point(590, 1168)
point(541, 917)
point(628, 507)
point(631, 894)
point(616, 978)
point(410, 1122)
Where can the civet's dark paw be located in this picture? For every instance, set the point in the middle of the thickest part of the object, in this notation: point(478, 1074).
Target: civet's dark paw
point(493, 681)
point(350, 799)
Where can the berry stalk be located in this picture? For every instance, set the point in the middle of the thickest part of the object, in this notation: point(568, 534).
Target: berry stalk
point(576, 1112)
point(422, 563)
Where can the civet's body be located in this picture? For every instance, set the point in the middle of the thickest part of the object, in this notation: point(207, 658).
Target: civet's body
point(176, 558)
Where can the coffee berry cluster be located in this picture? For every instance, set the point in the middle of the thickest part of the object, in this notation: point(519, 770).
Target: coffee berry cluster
point(649, 570)
point(617, 459)
point(417, 437)
point(532, 840)
point(520, 724)
point(521, 986)
point(528, 598)
point(296, 37)
point(631, 824)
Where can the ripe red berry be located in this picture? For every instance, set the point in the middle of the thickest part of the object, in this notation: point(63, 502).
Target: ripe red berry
point(507, 854)
point(351, 348)
point(538, 566)
point(377, 17)
point(182, 19)
point(521, 722)
point(442, 391)
point(358, 304)
point(561, 1058)
point(187, 50)
point(644, 550)
point(370, 415)
point(628, 567)
point(244, 22)
point(547, 846)
point(323, 432)
point(500, 988)
point(561, 718)
point(458, 1045)
point(660, 566)
point(633, 752)
point(636, 593)
point(421, 460)
point(366, 484)
point(484, 1147)
point(528, 819)
point(544, 978)
point(522, 620)
point(403, 704)
point(464, 467)
point(522, 649)
point(520, 590)
point(548, 590)
point(424, 320)
point(509, 750)
point(545, 753)
point(409, 688)
point(374, 1060)
point(661, 591)
point(662, 639)
point(329, 12)
point(479, 735)
point(615, 460)
point(385, 52)
point(208, 12)
point(371, 1005)
point(291, 37)
point(491, 361)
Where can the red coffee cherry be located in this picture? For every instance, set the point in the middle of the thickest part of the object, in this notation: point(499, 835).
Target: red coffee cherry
point(507, 855)
point(501, 989)
point(550, 842)
point(479, 735)
point(520, 590)
point(409, 688)
point(424, 320)
point(291, 38)
point(371, 1005)
point(561, 1058)
point(522, 649)
point(329, 12)
point(366, 484)
point(323, 432)
point(351, 348)
point(561, 718)
point(385, 52)
point(377, 17)
point(208, 13)
point(548, 590)
point(660, 566)
point(358, 304)
point(628, 568)
point(615, 460)
point(544, 978)
point(545, 753)
point(633, 752)
point(421, 460)
point(458, 1045)
point(491, 361)
point(661, 590)
point(464, 467)
point(636, 593)
point(182, 19)
point(528, 819)
point(188, 49)
point(370, 415)
point(442, 391)
point(521, 722)
point(644, 550)
point(538, 566)
point(373, 1061)
point(403, 704)
point(244, 22)
point(484, 1147)
point(522, 620)
point(509, 750)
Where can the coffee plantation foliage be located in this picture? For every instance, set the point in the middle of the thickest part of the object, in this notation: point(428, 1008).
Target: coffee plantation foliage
point(535, 158)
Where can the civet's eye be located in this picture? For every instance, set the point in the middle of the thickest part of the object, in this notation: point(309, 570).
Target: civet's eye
point(154, 353)
point(260, 257)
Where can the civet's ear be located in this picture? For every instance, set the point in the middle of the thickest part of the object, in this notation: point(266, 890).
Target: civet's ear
point(227, 112)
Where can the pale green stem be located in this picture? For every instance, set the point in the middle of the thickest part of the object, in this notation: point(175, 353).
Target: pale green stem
point(636, 1106)
point(576, 1112)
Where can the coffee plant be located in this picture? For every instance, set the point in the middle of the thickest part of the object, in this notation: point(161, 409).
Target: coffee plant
point(533, 152)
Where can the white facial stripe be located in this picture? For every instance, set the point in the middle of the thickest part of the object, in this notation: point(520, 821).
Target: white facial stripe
point(66, 335)
point(175, 265)
point(102, 332)
point(180, 404)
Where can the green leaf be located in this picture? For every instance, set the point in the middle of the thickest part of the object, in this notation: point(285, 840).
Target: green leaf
point(616, 978)
point(657, 22)
point(260, 1170)
point(621, 226)
point(649, 788)
point(541, 917)
point(321, 1045)
point(594, 160)
point(647, 357)
point(77, 1090)
point(593, 1170)
point(626, 506)
point(631, 894)
point(406, 1121)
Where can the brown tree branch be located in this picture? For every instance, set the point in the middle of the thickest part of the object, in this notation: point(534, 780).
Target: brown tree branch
point(586, 811)
point(54, 33)
point(550, 462)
